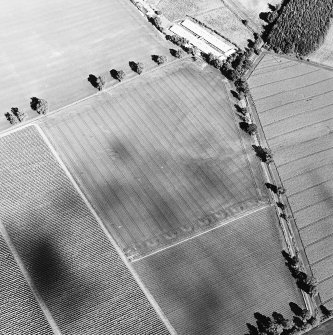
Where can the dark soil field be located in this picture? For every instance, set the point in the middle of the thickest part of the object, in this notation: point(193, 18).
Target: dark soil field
point(161, 157)
point(77, 271)
point(294, 101)
point(213, 283)
point(20, 312)
point(49, 48)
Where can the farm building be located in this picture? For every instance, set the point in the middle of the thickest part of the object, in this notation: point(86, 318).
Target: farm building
point(204, 47)
point(227, 49)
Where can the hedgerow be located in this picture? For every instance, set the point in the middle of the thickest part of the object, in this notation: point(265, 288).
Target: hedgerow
point(300, 27)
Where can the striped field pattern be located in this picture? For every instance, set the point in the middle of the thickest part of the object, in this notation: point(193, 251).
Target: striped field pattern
point(159, 157)
point(213, 283)
point(49, 48)
point(78, 273)
point(20, 313)
point(294, 101)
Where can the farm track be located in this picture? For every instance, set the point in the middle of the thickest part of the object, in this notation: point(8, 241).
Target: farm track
point(297, 121)
point(151, 196)
point(50, 219)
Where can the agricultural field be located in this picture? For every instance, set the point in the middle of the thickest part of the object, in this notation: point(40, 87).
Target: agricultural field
point(294, 102)
point(178, 9)
point(17, 300)
point(77, 271)
point(213, 283)
point(225, 22)
point(250, 10)
point(160, 157)
point(49, 48)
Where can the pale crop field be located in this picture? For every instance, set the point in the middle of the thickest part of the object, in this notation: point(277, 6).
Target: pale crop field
point(178, 9)
point(17, 301)
point(224, 21)
point(159, 157)
point(324, 54)
point(250, 9)
point(294, 101)
point(49, 48)
point(77, 271)
point(213, 283)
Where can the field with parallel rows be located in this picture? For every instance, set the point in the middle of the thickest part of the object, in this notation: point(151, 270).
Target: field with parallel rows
point(294, 101)
point(213, 283)
point(160, 157)
point(20, 313)
point(79, 274)
point(49, 48)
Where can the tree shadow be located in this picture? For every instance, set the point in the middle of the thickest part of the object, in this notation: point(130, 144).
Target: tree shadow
point(173, 52)
point(296, 309)
point(92, 80)
point(114, 74)
point(132, 65)
point(33, 103)
point(234, 94)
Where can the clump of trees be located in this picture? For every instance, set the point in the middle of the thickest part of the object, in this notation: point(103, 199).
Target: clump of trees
point(119, 75)
point(39, 105)
point(159, 59)
point(303, 281)
point(301, 322)
point(264, 154)
point(298, 26)
point(179, 53)
point(249, 128)
point(157, 22)
point(178, 40)
point(136, 67)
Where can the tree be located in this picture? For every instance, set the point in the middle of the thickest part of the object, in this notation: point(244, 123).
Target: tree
point(11, 118)
point(179, 53)
point(100, 82)
point(325, 312)
point(120, 75)
point(280, 320)
point(159, 59)
point(249, 128)
point(18, 113)
point(139, 67)
point(263, 153)
point(39, 105)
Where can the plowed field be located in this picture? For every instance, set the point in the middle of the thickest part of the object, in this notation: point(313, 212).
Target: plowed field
point(161, 157)
point(75, 268)
point(20, 313)
point(294, 101)
point(213, 283)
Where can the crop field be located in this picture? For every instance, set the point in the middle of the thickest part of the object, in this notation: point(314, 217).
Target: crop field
point(80, 276)
point(49, 48)
point(17, 300)
point(160, 157)
point(224, 21)
point(213, 283)
point(294, 101)
point(178, 9)
point(250, 9)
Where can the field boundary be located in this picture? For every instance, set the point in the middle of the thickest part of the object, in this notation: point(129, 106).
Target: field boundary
point(224, 223)
point(150, 298)
point(29, 281)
